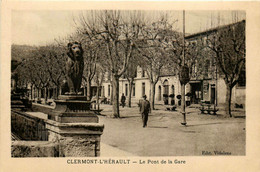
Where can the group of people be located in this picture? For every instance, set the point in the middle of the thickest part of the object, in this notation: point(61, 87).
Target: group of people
point(144, 108)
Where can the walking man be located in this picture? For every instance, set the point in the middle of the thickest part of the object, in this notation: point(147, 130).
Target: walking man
point(144, 110)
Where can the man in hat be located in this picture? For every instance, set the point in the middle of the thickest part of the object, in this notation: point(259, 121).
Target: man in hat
point(144, 110)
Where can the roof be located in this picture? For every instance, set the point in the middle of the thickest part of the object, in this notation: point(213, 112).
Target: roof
point(209, 31)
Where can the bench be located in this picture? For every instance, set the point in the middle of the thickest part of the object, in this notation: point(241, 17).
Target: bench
point(207, 108)
point(170, 108)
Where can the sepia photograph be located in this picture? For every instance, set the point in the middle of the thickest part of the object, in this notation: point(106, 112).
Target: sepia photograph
point(130, 85)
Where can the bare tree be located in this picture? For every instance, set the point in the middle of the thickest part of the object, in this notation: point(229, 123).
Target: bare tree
point(98, 79)
point(116, 30)
point(228, 44)
point(153, 63)
point(54, 60)
point(158, 39)
point(130, 75)
point(34, 71)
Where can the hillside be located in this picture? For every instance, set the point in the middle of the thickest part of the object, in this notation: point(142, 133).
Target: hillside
point(20, 52)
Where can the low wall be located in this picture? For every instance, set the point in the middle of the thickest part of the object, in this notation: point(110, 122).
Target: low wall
point(28, 127)
point(42, 108)
point(61, 139)
point(34, 149)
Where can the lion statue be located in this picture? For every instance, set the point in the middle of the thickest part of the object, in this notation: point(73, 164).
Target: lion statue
point(74, 67)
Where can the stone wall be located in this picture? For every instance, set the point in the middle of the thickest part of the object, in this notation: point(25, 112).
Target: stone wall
point(34, 149)
point(63, 139)
point(79, 146)
point(28, 127)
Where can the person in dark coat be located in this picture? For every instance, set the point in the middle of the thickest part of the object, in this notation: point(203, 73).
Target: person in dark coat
point(145, 109)
point(123, 100)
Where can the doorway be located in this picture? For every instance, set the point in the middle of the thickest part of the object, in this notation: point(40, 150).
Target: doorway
point(195, 92)
point(213, 94)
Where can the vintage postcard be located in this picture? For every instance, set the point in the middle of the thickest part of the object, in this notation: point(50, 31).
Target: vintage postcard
point(156, 86)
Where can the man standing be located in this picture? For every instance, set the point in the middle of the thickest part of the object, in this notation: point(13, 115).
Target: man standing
point(144, 110)
point(123, 100)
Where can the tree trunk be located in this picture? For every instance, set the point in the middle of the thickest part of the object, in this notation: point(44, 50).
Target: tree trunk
point(31, 92)
point(88, 90)
point(56, 92)
point(49, 93)
point(152, 95)
point(97, 97)
point(85, 90)
point(111, 94)
point(38, 94)
point(130, 92)
point(228, 100)
point(115, 92)
point(60, 91)
point(45, 95)
point(183, 103)
point(34, 94)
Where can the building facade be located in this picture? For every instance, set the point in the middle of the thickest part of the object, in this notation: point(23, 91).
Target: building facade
point(208, 86)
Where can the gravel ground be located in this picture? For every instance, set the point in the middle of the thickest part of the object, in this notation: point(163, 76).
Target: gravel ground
point(204, 135)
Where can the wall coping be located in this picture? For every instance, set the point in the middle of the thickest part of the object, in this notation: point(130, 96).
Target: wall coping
point(27, 115)
point(75, 128)
point(46, 106)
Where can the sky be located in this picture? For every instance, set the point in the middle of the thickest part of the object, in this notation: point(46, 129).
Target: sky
point(42, 27)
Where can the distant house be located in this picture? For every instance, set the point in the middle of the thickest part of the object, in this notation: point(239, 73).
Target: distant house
point(211, 85)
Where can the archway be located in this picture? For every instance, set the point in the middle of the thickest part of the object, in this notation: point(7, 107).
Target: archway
point(166, 92)
point(166, 87)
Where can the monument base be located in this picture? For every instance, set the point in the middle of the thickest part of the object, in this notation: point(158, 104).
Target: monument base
point(73, 109)
point(75, 127)
point(76, 139)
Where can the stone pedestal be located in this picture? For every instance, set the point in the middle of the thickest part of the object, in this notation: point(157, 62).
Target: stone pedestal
point(75, 127)
point(76, 139)
point(73, 109)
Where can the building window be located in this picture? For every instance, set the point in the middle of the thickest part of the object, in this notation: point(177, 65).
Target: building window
point(126, 89)
point(143, 73)
point(159, 93)
point(143, 89)
point(206, 68)
point(134, 89)
point(173, 90)
point(108, 91)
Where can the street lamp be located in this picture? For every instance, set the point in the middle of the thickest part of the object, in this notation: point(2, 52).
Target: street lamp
point(184, 75)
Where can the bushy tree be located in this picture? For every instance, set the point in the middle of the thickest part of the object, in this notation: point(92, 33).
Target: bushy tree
point(228, 44)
